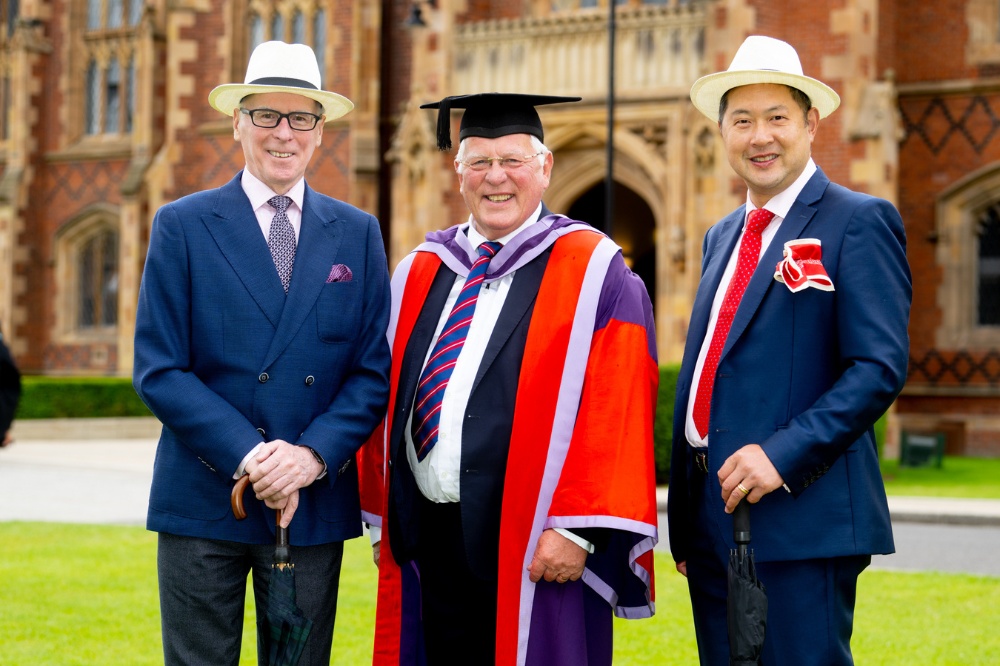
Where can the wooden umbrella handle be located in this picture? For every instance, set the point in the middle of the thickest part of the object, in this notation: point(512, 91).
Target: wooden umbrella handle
point(236, 498)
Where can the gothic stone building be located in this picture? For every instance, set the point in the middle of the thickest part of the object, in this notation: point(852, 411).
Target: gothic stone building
point(104, 118)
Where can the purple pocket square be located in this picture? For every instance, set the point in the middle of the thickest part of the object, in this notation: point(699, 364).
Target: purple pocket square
point(339, 273)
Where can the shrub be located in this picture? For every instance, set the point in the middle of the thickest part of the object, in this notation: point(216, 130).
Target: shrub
point(663, 426)
point(78, 397)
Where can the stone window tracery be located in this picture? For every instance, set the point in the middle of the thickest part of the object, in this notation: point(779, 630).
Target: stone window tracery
point(968, 252)
point(10, 11)
point(988, 273)
point(87, 266)
point(293, 21)
point(108, 65)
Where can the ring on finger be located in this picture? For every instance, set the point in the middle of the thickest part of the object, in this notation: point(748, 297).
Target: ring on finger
point(743, 489)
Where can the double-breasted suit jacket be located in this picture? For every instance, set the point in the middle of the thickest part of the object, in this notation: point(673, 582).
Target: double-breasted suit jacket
point(225, 359)
point(805, 375)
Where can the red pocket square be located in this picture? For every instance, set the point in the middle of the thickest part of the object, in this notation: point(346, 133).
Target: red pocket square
point(339, 273)
point(802, 266)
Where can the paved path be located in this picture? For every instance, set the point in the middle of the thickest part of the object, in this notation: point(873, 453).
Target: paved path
point(86, 473)
point(76, 481)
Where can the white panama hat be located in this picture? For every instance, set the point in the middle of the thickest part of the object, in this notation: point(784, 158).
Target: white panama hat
point(762, 60)
point(282, 68)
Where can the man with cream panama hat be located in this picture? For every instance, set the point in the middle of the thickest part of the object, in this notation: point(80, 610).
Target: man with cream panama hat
point(276, 67)
point(260, 345)
point(797, 344)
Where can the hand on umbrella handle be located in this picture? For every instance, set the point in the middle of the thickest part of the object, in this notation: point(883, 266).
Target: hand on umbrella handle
point(236, 498)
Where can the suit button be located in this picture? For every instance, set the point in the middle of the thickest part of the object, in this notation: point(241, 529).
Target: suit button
point(309, 380)
point(263, 377)
point(390, 464)
point(261, 431)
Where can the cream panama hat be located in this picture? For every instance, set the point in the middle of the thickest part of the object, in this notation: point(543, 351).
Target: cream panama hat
point(280, 67)
point(762, 60)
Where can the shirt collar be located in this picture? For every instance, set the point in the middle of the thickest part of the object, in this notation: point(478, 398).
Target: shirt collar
point(782, 202)
point(478, 239)
point(259, 193)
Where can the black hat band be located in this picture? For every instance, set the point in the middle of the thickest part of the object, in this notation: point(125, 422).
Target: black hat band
point(282, 81)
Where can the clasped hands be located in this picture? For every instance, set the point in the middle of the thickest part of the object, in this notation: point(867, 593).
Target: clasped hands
point(278, 471)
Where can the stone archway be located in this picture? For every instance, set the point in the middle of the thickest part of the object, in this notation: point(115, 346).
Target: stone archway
point(633, 228)
point(578, 190)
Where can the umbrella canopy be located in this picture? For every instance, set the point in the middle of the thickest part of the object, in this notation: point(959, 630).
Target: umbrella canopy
point(284, 629)
point(746, 605)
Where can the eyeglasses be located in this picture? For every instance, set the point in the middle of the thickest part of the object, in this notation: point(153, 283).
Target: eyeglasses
point(506, 163)
point(268, 118)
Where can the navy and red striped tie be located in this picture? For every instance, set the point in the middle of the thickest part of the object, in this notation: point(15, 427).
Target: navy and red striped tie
point(437, 371)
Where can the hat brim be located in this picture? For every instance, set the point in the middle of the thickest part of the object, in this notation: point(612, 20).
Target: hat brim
point(707, 92)
point(226, 98)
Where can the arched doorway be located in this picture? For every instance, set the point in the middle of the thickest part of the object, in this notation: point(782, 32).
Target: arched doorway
point(633, 228)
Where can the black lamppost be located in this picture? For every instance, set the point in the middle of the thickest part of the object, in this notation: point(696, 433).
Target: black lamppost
point(609, 183)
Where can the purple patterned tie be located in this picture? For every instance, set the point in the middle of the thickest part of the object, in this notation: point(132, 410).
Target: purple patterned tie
point(437, 372)
point(281, 239)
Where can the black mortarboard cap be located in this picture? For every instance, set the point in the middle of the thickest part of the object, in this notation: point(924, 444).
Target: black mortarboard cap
point(492, 115)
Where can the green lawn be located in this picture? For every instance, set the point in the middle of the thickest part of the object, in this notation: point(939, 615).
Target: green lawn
point(957, 477)
point(74, 594)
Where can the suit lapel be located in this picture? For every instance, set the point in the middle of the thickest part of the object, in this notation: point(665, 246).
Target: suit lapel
point(717, 256)
point(799, 216)
point(233, 225)
point(319, 239)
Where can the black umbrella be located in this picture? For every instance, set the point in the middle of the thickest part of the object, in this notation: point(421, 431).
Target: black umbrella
point(746, 607)
point(284, 629)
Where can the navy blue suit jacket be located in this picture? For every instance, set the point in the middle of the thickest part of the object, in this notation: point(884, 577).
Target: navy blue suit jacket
point(225, 360)
point(805, 375)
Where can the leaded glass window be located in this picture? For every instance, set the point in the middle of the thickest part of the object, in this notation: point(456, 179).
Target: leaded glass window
point(306, 24)
point(109, 74)
point(113, 99)
point(298, 28)
point(988, 283)
point(97, 280)
point(93, 107)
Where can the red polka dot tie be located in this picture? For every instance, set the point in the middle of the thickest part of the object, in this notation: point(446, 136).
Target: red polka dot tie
point(746, 262)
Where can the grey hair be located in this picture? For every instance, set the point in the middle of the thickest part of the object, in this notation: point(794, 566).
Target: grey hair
point(536, 145)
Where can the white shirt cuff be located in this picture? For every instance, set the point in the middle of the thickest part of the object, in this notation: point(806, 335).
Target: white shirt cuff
point(243, 465)
point(375, 532)
point(578, 540)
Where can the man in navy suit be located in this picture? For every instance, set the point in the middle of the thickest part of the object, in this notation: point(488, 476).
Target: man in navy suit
point(260, 346)
point(797, 344)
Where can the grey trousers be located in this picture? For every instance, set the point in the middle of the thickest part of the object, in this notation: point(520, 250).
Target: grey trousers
point(203, 593)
